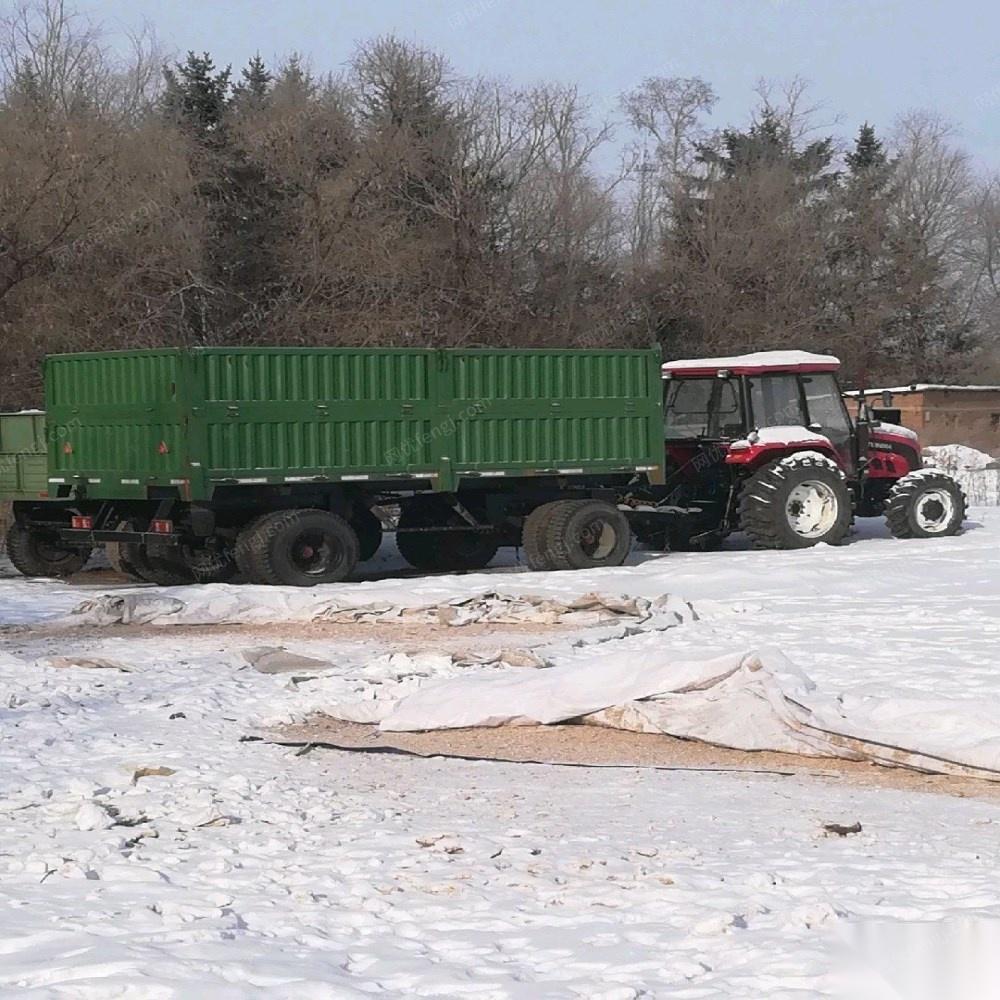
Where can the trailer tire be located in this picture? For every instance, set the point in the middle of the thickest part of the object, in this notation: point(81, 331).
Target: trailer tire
point(796, 502)
point(441, 551)
point(34, 554)
point(300, 548)
point(242, 551)
point(925, 504)
point(534, 537)
point(368, 528)
point(210, 564)
point(165, 569)
point(587, 534)
point(118, 556)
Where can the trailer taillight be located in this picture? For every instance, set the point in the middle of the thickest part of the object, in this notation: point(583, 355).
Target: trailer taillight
point(160, 527)
point(81, 522)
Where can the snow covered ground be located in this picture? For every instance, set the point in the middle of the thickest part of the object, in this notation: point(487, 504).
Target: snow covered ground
point(146, 852)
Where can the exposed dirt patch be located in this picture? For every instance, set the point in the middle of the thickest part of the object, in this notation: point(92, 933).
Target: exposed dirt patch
point(596, 746)
point(403, 638)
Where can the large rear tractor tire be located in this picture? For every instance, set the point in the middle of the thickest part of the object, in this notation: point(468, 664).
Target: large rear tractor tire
point(298, 548)
point(587, 534)
point(796, 502)
point(38, 553)
point(442, 551)
point(534, 534)
point(925, 504)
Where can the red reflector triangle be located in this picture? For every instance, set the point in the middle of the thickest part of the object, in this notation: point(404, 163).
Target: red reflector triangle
point(67, 448)
point(164, 449)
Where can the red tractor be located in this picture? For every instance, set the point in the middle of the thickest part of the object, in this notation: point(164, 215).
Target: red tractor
point(764, 443)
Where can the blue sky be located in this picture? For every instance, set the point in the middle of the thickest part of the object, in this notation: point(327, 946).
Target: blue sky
point(865, 60)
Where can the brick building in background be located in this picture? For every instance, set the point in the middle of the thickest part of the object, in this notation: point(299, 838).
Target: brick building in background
point(946, 414)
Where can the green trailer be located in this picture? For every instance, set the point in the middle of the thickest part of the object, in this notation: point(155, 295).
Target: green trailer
point(23, 469)
point(275, 464)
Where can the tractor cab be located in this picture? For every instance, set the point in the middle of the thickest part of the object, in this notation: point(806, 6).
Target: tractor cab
point(756, 404)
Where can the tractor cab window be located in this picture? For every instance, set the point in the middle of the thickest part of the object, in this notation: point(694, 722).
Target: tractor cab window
point(828, 414)
point(701, 408)
point(776, 401)
point(826, 406)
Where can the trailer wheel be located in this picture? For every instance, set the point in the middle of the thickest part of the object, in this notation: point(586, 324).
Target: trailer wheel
point(586, 534)
point(925, 505)
point(300, 548)
point(164, 567)
point(534, 537)
point(38, 553)
point(210, 564)
point(242, 551)
point(796, 502)
point(440, 551)
point(119, 557)
point(368, 528)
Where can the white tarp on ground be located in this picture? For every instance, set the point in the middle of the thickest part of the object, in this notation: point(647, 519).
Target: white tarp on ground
point(616, 674)
point(748, 701)
point(230, 605)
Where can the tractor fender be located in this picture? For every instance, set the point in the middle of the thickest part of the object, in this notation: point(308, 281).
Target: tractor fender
point(754, 455)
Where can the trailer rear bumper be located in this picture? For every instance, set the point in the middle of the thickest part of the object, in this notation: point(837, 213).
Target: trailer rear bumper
point(84, 538)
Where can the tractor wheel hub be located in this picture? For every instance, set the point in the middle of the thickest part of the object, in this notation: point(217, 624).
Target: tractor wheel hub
point(812, 509)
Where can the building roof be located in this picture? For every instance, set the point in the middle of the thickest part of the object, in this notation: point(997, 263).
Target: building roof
point(927, 387)
point(750, 364)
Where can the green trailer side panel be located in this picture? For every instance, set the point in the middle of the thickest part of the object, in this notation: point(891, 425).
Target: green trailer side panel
point(23, 466)
point(126, 422)
point(118, 420)
point(303, 413)
point(553, 409)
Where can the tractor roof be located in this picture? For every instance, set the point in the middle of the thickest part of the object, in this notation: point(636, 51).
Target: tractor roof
point(755, 364)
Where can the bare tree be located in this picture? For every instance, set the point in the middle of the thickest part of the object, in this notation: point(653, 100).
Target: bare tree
point(667, 114)
point(58, 57)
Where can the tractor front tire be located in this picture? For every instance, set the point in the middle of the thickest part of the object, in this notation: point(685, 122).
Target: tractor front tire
point(36, 553)
point(796, 502)
point(925, 504)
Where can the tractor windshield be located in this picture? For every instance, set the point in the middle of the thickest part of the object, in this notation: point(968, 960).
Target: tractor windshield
point(701, 408)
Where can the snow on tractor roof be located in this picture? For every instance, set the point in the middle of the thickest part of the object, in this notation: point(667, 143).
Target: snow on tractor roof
point(753, 364)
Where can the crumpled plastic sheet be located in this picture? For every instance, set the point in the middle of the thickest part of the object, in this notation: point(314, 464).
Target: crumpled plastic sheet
point(755, 700)
point(224, 605)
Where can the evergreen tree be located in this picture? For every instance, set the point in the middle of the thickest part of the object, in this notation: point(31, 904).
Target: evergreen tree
point(769, 144)
point(294, 84)
point(255, 85)
point(860, 289)
point(196, 96)
point(868, 155)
